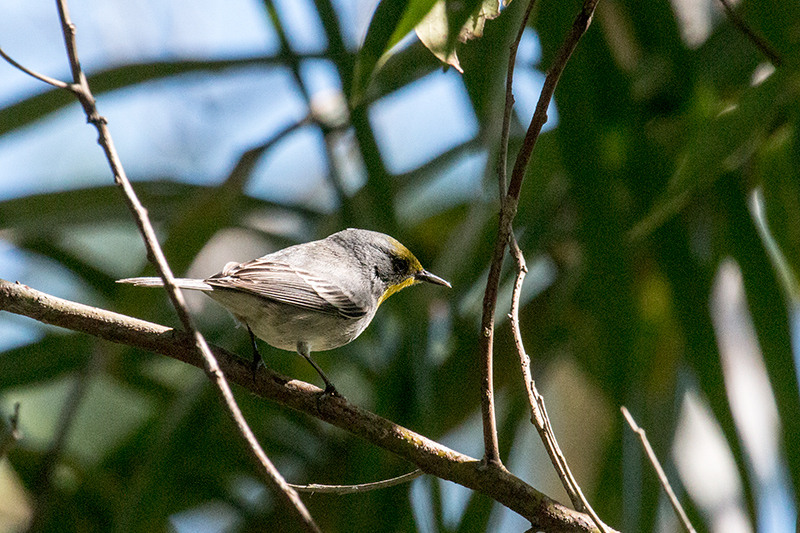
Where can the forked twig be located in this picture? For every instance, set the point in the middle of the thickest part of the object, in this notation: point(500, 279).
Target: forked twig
point(509, 198)
point(662, 477)
point(508, 210)
point(80, 88)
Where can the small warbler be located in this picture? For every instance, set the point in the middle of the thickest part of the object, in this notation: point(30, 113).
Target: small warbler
point(314, 296)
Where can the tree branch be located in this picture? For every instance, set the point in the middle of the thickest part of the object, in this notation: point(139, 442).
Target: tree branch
point(662, 476)
point(508, 210)
point(80, 88)
point(431, 457)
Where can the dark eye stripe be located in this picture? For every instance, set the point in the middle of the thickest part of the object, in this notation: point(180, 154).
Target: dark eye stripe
point(399, 265)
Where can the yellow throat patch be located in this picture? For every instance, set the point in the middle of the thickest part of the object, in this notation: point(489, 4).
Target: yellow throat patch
point(397, 287)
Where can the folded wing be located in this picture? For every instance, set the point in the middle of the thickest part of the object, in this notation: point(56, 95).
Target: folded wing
point(282, 283)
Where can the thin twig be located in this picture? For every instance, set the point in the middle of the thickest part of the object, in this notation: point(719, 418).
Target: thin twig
point(662, 477)
point(491, 454)
point(508, 211)
point(80, 88)
point(58, 84)
point(432, 457)
point(755, 38)
point(505, 132)
point(363, 487)
point(509, 198)
point(539, 416)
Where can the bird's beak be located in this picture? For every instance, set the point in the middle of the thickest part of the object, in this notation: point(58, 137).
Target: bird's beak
point(424, 275)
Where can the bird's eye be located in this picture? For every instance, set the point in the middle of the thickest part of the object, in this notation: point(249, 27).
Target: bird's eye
point(399, 265)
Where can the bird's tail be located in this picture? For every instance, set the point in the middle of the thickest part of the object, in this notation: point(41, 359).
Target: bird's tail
point(183, 283)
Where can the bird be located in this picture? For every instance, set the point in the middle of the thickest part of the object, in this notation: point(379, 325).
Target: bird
point(314, 296)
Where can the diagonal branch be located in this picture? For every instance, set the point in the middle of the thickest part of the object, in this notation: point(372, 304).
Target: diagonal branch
point(662, 476)
point(539, 416)
point(80, 88)
point(431, 457)
point(508, 211)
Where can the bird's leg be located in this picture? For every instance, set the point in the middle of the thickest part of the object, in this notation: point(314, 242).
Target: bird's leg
point(256, 355)
point(304, 350)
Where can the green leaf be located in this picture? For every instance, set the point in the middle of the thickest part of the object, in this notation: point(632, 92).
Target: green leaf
point(434, 32)
point(416, 11)
point(384, 22)
point(725, 144)
point(449, 22)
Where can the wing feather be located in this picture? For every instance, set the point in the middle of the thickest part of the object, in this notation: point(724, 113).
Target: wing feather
point(283, 283)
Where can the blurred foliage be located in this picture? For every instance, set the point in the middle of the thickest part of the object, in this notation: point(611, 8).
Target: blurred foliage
point(634, 201)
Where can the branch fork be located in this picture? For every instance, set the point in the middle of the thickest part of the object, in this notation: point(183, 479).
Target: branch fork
point(509, 201)
point(80, 88)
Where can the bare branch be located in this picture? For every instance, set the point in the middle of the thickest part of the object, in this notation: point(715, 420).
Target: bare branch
point(539, 416)
point(58, 84)
point(508, 210)
point(80, 88)
point(662, 477)
point(431, 457)
point(502, 162)
point(362, 487)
